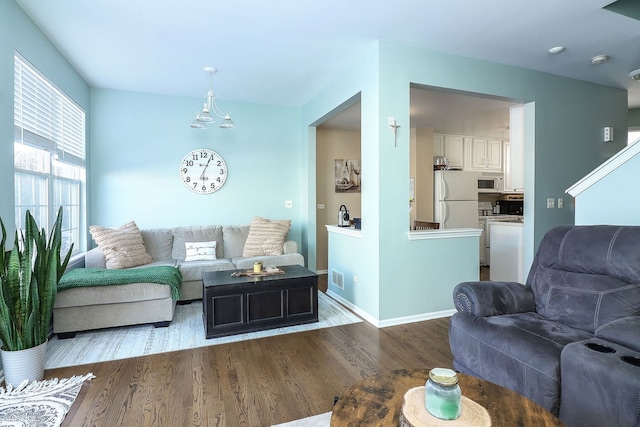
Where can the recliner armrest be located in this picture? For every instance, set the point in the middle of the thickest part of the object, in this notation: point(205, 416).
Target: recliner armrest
point(624, 331)
point(485, 299)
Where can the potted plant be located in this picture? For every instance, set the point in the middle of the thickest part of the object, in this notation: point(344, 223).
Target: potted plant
point(29, 276)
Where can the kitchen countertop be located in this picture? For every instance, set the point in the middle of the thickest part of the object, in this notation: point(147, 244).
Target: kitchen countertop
point(501, 216)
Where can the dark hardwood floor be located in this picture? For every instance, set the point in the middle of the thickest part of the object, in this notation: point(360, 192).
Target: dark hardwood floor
point(251, 383)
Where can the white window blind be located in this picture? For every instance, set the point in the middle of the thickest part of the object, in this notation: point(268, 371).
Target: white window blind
point(45, 117)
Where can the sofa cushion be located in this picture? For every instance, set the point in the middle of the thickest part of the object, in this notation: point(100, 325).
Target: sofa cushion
point(623, 331)
point(76, 297)
point(122, 247)
point(192, 270)
point(584, 285)
point(266, 237)
point(206, 233)
point(517, 351)
point(234, 238)
point(158, 242)
point(242, 263)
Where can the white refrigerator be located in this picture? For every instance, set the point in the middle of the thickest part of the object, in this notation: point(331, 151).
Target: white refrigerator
point(455, 199)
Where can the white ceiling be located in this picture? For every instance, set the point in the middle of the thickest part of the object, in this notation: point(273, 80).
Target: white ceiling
point(284, 52)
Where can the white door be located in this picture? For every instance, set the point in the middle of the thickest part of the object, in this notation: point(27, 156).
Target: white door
point(458, 185)
point(457, 214)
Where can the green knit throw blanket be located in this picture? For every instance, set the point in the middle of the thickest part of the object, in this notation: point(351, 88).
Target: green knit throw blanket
point(83, 277)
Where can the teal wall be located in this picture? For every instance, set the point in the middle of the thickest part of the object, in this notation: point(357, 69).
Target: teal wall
point(564, 144)
point(363, 259)
point(18, 33)
point(613, 199)
point(139, 139)
point(634, 118)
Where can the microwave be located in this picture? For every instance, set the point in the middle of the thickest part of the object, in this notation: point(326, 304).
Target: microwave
point(490, 182)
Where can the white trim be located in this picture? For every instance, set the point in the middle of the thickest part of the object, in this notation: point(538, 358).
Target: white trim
point(357, 310)
point(389, 322)
point(416, 318)
point(347, 231)
point(604, 169)
point(444, 234)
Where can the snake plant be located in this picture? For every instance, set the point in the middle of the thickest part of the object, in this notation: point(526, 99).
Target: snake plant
point(29, 273)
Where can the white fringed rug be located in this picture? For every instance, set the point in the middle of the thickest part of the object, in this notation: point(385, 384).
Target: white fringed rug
point(39, 403)
point(322, 420)
point(185, 331)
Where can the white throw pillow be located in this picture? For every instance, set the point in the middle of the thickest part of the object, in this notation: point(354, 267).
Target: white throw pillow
point(122, 247)
point(200, 251)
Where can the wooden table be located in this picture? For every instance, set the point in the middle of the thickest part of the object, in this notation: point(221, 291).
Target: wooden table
point(234, 305)
point(377, 401)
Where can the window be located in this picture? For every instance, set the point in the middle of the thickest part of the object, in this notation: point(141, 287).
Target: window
point(49, 155)
point(634, 136)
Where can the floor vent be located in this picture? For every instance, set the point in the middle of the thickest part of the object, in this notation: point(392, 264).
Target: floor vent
point(337, 279)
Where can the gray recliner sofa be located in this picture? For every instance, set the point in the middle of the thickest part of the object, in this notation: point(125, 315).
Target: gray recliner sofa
point(570, 338)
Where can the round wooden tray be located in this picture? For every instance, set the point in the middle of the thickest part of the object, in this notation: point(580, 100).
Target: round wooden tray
point(414, 413)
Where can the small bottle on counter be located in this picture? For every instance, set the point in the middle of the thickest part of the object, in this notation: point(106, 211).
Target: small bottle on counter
point(442, 394)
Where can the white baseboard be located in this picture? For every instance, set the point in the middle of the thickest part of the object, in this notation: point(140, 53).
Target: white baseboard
point(390, 322)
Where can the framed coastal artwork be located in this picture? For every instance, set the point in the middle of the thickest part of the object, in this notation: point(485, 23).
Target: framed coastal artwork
point(347, 176)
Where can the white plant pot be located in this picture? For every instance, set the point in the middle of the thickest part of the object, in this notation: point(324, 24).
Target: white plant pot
point(23, 365)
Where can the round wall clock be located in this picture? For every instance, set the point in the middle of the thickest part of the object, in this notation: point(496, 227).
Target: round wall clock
point(203, 171)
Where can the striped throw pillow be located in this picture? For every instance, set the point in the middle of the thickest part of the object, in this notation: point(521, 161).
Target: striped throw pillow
point(266, 237)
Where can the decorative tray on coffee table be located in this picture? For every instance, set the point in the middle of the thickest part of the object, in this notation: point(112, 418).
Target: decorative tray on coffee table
point(266, 272)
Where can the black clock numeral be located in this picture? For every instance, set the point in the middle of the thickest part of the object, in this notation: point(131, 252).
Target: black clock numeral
point(221, 171)
point(195, 157)
point(195, 184)
point(188, 179)
point(204, 188)
point(204, 154)
point(219, 163)
point(213, 185)
point(189, 163)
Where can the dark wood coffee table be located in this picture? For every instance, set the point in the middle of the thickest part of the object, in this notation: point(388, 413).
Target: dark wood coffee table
point(377, 401)
point(234, 305)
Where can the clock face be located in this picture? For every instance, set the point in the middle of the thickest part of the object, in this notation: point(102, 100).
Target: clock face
point(203, 171)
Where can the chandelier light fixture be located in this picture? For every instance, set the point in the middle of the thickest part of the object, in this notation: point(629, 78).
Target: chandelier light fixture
point(204, 117)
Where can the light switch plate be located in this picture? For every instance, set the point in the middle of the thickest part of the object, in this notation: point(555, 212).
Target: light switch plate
point(551, 203)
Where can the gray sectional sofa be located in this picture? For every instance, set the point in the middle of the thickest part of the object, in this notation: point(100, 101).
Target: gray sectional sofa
point(86, 308)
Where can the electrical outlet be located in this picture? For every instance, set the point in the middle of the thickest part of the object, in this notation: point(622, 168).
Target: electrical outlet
point(288, 203)
point(320, 205)
point(355, 278)
point(560, 203)
point(551, 203)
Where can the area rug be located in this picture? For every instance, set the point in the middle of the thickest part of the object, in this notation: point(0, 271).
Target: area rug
point(185, 331)
point(39, 403)
point(322, 420)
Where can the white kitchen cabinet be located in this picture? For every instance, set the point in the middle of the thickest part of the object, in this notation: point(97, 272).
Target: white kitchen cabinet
point(451, 147)
point(513, 176)
point(486, 154)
